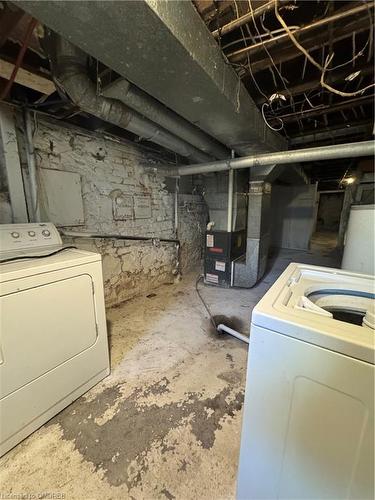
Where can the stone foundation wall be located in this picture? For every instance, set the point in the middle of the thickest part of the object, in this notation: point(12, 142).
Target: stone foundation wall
point(192, 221)
point(109, 171)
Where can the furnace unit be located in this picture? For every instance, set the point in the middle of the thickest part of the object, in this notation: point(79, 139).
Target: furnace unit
point(221, 250)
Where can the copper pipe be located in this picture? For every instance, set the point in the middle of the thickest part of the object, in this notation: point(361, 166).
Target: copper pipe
point(238, 55)
point(32, 25)
point(246, 18)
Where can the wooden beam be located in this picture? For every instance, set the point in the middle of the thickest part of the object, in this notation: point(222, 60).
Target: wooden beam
point(246, 18)
point(241, 54)
point(325, 109)
point(282, 53)
point(27, 78)
point(303, 87)
point(332, 133)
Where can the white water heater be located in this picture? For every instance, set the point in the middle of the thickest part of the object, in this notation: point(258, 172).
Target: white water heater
point(359, 254)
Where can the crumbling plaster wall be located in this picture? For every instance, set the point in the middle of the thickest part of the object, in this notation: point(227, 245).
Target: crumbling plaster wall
point(109, 168)
point(192, 221)
point(131, 268)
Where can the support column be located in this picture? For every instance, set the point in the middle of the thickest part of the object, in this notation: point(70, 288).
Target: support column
point(230, 201)
point(10, 161)
point(258, 236)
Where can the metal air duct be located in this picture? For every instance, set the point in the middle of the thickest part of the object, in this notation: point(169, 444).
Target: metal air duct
point(165, 49)
point(70, 74)
point(152, 109)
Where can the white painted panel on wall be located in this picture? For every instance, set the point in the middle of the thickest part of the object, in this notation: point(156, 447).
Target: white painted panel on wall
point(62, 197)
point(142, 206)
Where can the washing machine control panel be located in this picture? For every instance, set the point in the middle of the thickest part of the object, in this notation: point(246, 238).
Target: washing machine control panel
point(28, 236)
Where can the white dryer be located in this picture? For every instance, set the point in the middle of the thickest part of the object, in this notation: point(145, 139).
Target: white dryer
point(53, 336)
point(308, 423)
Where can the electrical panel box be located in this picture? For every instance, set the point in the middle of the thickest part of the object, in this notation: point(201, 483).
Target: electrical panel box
point(62, 197)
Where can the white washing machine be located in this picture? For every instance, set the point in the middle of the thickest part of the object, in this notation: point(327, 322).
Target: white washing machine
point(308, 423)
point(53, 336)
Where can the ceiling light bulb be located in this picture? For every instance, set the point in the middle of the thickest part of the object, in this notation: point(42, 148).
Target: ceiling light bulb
point(349, 180)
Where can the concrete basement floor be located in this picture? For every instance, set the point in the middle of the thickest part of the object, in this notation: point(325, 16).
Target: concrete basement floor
point(166, 423)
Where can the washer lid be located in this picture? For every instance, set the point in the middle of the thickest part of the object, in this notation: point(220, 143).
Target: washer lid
point(331, 308)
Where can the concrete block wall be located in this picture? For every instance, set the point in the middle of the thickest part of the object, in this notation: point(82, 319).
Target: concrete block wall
point(109, 168)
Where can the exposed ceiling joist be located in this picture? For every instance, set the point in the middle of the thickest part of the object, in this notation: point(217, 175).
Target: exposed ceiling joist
point(241, 54)
point(210, 9)
point(332, 133)
point(301, 88)
point(246, 18)
point(282, 54)
point(324, 109)
point(27, 78)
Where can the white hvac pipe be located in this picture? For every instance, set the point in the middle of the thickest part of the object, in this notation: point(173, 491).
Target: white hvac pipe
point(223, 328)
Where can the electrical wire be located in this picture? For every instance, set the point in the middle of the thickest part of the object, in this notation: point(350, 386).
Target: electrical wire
point(329, 58)
point(22, 257)
point(199, 277)
point(339, 92)
point(276, 118)
point(248, 59)
point(264, 46)
point(271, 59)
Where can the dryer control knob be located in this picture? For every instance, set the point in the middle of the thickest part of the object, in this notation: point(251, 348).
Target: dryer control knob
point(15, 234)
point(45, 232)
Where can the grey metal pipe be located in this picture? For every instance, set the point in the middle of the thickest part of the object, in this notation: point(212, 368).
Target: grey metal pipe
point(230, 200)
point(69, 71)
point(31, 165)
point(350, 150)
point(230, 197)
point(321, 135)
point(77, 234)
point(151, 108)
